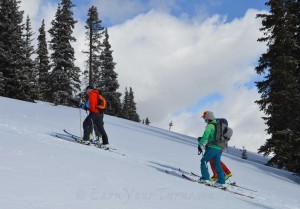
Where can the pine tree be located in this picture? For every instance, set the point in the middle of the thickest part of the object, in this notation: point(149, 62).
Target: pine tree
point(125, 105)
point(129, 106)
point(170, 125)
point(244, 154)
point(132, 114)
point(109, 83)
point(1, 84)
point(2, 46)
point(12, 54)
point(94, 38)
point(64, 78)
point(42, 61)
point(29, 68)
point(280, 89)
point(147, 121)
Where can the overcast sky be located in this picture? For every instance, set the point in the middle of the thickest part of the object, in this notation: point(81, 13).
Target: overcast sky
point(180, 58)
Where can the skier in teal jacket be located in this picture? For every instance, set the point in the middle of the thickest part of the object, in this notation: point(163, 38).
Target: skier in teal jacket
point(212, 151)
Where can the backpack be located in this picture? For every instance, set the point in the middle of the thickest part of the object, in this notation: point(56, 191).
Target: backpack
point(101, 102)
point(223, 132)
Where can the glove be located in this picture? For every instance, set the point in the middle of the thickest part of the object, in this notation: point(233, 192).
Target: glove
point(83, 106)
point(199, 149)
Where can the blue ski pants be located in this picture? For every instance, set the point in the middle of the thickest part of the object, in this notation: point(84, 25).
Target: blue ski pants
point(212, 153)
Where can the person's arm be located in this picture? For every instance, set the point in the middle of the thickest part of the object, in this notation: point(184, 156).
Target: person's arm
point(208, 131)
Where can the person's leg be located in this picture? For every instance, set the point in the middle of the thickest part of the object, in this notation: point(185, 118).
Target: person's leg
point(217, 165)
point(87, 123)
point(211, 162)
point(91, 131)
point(98, 121)
point(97, 134)
point(209, 154)
point(225, 169)
point(96, 131)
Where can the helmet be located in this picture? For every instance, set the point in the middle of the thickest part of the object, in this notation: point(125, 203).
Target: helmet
point(208, 115)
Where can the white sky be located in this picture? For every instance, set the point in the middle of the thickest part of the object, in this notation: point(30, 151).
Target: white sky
point(172, 63)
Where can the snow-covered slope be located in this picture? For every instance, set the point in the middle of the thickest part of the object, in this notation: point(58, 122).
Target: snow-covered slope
point(40, 171)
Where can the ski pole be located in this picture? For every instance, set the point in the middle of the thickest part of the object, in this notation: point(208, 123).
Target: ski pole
point(93, 130)
point(80, 101)
point(80, 122)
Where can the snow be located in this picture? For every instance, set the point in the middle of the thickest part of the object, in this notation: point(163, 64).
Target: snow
point(40, 171)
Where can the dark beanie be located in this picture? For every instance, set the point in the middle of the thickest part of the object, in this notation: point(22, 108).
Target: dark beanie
point(89, 87)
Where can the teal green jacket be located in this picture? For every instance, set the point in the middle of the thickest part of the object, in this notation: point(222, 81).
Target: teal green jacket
point(209, 136)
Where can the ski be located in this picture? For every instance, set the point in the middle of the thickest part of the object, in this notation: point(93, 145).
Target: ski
point(234, 184)
point(189, 173)
point(183, 171)
point(77, 138)
point(222, 188)
point(74, 136)
point(195, 174)
point(188, 178)
point(113, 151)
point(109, 149)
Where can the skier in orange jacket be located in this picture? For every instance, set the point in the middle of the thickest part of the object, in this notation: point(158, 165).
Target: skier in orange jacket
point(95, 116)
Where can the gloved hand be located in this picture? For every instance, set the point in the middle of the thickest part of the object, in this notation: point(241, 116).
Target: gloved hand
point(199, 138)
point(200, 149)
point(83, 106)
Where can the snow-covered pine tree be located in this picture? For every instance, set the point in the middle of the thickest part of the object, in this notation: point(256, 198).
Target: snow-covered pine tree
point(147, 121)
point(280, 88)
point(29, 69)
point(12, 54)
point(64, 77)
point(92, 75)
point(1, 84)
point(125, 105)
point(109, 83)
point(170, 125)
point(132, 114)
point(244, 153)
point(42, 61)
point(2, 81)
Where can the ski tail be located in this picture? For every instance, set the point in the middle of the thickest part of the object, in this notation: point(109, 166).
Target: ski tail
point(188, 178)
point(195, 174)
point(188, 173)
point(72, 135)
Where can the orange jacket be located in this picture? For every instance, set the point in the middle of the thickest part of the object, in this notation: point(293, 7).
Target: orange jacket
point(93, 100)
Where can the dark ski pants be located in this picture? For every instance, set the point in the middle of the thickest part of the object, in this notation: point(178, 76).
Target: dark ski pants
point(97, 120)
point(94, 128)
